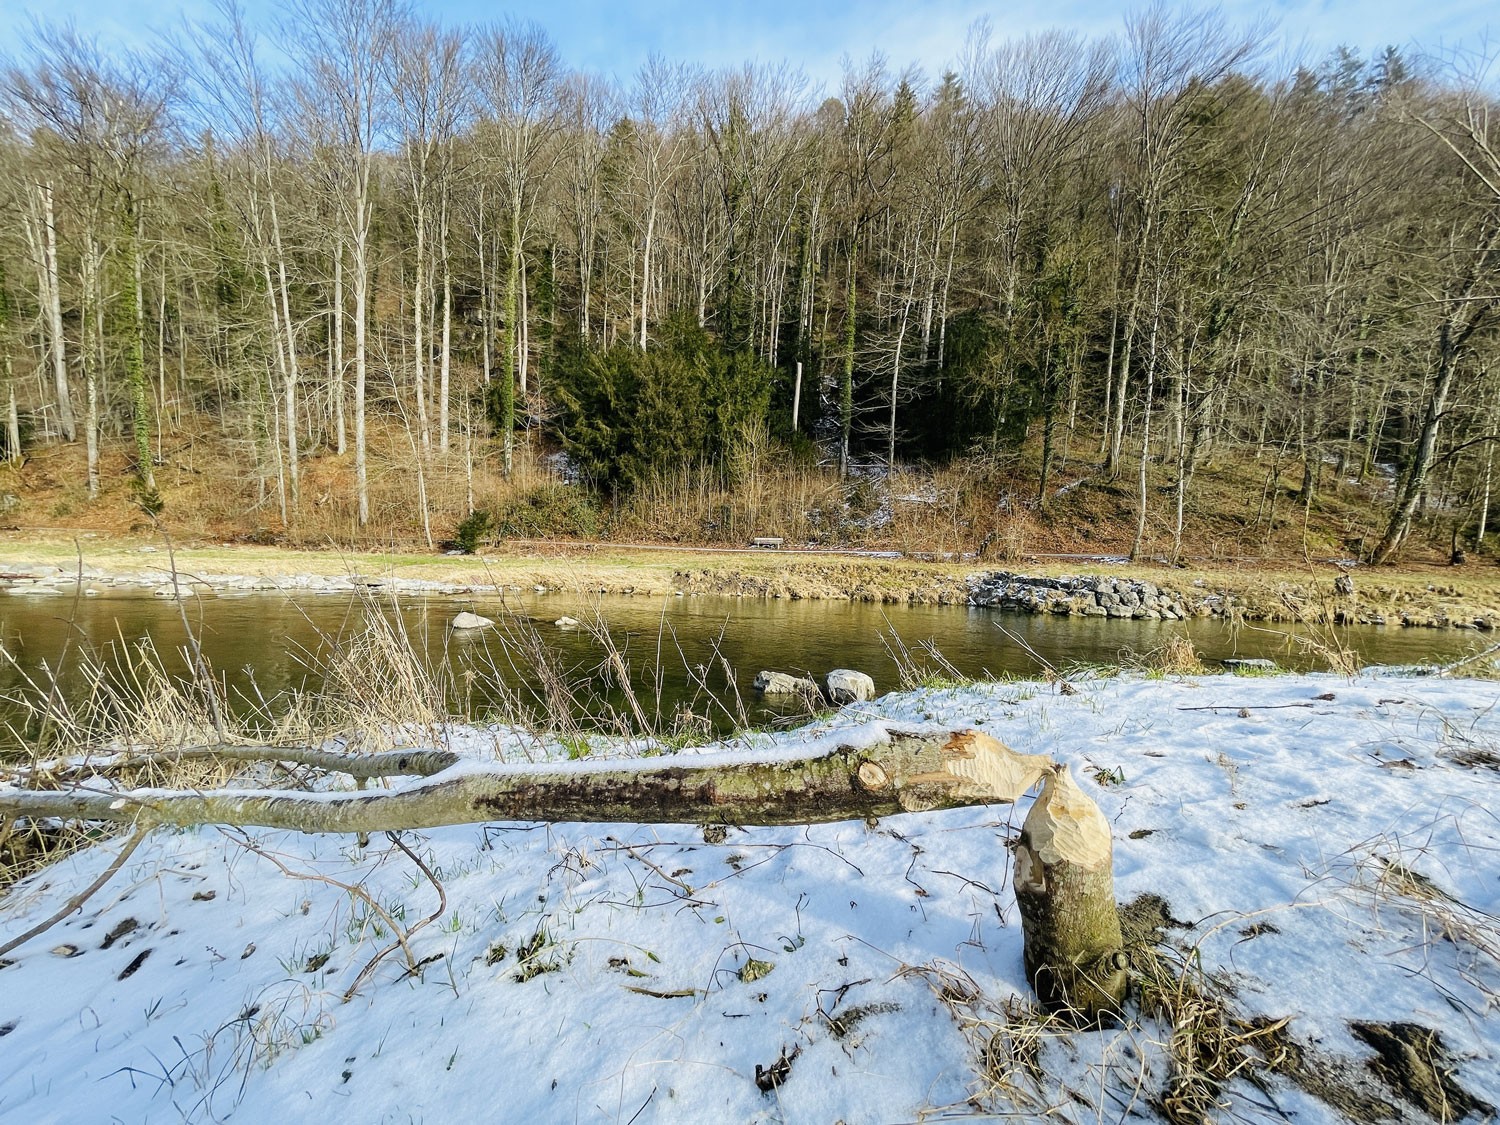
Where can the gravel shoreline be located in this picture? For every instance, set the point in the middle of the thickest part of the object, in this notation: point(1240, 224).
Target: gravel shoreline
point(1336, 601)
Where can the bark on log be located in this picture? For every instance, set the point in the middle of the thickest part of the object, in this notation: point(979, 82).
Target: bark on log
point(908, 773)
point(384, 763)
point(1070, 927)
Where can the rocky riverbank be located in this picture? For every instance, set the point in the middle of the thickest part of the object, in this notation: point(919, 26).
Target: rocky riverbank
point(1091, 596)
point(1140, 600)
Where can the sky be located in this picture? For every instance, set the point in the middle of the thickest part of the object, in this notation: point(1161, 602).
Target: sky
point(815, 35)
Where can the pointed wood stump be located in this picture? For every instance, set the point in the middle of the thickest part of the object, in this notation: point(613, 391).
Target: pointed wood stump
point(1070, 927)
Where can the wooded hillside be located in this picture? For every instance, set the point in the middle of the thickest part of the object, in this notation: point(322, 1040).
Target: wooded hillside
point(378, 265)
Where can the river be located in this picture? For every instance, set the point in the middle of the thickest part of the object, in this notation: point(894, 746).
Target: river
point(694, 655)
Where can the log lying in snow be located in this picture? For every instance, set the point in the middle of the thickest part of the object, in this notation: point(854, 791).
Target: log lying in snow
point(907, 773)
point(1070, 926)
point(1063, 875)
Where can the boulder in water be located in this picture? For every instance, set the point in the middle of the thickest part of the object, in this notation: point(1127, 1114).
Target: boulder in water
point(467, 620)
point(845, 685)
point(780, 683)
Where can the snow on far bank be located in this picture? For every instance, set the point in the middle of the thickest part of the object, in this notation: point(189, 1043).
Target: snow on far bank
point(1312, 833)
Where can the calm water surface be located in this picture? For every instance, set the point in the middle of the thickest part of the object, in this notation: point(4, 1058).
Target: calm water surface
point(697, 653)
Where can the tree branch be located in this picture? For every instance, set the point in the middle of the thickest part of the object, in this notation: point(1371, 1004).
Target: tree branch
point(81, 897)
point(388, 763)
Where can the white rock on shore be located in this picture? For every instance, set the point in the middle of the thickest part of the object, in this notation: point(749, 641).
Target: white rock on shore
point(781, 683)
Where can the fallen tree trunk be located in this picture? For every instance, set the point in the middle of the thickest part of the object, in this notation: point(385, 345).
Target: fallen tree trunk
point(1063, 873)
point(907, 773)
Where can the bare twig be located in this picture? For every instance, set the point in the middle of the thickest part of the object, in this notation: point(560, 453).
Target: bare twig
point(200, 666)
point(354, 890)
point(402, 939)
point(82, 896)
point(1245, 707)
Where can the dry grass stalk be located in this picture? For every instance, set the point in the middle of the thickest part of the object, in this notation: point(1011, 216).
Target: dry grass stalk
point(125, 698)
point(1177, 657)
point(927, 667)
point(401, 934)
point(1207, 1045)
point(1384, 873)
point(27, 846)
point(1180, 1010)
point(376, 685)
point(1007, 1041)
point(1320, 638)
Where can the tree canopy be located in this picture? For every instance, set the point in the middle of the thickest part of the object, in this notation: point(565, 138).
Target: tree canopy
point(1152, 248)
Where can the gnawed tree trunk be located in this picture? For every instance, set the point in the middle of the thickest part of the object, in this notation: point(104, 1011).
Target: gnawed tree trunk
point(907, 773)
point(1064, 883)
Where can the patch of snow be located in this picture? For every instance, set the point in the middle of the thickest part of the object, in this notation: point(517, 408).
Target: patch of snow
point(1263, 810)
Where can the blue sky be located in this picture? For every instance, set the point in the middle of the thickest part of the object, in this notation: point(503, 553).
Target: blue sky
point(614, 38)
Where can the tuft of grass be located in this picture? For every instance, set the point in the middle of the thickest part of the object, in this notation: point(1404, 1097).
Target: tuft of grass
point(27, 846)
point(1177, 657)
point(1385, 873)
point(576, 745)
point(1207, 1044)
point(537, 955)
point(926, 668)
point(1107, 776)
point(1179, 1011)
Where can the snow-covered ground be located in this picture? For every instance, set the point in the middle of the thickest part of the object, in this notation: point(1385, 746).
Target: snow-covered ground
point(1329, 845)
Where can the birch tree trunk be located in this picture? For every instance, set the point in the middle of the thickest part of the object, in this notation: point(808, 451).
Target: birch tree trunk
point(360, 255)
point(92, 350)
point(341, 423)
point(505, 388)
point(287, 340)
point(445, 346)
point(907, 773)
point(421, 346)
point(13, 421)
point(846, 385)
point(135, 353)
point(50, 290)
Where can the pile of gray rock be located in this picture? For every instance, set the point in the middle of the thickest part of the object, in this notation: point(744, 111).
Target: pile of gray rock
point(1089, 596)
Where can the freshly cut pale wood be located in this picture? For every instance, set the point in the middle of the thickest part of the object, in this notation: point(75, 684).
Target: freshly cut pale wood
point(982, 768)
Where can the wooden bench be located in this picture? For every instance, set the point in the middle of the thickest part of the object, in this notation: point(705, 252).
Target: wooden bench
point(770, 542)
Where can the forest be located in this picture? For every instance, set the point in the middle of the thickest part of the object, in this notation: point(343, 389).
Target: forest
point(364, 275)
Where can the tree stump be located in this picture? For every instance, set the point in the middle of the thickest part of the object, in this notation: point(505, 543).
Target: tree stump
point(1070, 927)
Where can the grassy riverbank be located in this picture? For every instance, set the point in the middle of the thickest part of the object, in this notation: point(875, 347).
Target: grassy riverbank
point(1424, 595)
